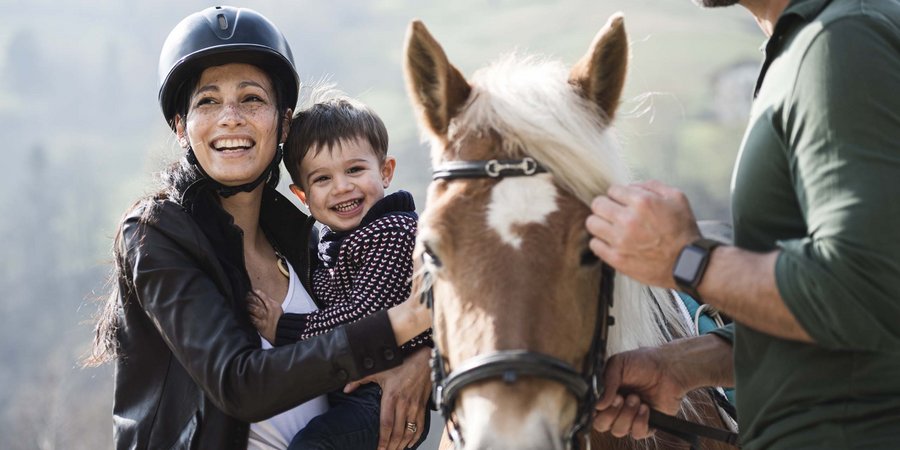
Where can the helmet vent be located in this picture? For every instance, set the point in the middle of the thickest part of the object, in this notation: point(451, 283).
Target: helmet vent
point(223, 22)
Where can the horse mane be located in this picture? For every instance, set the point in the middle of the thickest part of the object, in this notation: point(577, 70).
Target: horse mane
point(529, 102)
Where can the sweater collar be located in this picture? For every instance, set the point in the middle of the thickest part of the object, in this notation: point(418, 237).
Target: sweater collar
point(400, 202)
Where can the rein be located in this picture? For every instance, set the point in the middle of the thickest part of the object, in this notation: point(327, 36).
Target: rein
point(510, 365)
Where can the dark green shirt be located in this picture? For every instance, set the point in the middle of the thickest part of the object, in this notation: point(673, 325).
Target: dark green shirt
point(818, 176)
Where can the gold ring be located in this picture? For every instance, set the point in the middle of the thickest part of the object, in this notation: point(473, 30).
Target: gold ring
point(412, 427)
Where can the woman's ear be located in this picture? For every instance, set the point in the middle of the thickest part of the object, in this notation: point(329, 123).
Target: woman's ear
point(180, 133)
point(387, 170)
point(285, 126)
point(299, 193)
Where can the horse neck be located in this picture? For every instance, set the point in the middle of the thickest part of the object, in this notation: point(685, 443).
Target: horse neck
point(645, 316)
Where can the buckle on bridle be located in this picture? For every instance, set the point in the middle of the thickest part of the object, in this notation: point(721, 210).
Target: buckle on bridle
point(526, 166)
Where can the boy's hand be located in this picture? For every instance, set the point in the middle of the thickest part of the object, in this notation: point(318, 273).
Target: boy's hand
point(264, 313)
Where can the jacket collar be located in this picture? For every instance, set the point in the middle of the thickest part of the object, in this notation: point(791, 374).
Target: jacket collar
point(400, 202)
point(287, 228)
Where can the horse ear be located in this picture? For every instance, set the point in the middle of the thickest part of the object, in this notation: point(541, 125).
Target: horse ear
point(600, 73)
point(437, 89)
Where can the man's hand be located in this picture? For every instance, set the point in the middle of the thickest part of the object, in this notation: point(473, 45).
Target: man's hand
point(659, 378)
point(405, 391)
point(640, 229)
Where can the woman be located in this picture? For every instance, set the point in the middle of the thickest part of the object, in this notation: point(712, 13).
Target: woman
point(190, 372)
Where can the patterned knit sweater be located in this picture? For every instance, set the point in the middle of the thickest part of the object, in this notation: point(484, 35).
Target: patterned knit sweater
point(360, 272)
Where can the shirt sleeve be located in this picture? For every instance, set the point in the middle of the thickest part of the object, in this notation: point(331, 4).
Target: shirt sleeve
point(842, 129)
point(725, 332)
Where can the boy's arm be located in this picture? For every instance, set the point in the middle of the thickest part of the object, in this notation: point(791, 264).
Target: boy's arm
point(379, 259)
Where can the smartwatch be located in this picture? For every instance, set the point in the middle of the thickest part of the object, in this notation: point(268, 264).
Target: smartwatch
point(691, 265)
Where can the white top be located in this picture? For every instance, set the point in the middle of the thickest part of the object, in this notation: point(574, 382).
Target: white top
point(277, 431)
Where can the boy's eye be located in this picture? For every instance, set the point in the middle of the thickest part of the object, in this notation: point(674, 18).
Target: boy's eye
point(355, 169)
point(320, 179)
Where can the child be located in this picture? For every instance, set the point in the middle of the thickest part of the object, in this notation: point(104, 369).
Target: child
point(336, 154)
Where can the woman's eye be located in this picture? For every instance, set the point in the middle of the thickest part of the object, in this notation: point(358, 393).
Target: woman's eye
point(253, 98)
point(205, 101)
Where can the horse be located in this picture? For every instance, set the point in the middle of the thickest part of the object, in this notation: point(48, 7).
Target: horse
point(518, 153)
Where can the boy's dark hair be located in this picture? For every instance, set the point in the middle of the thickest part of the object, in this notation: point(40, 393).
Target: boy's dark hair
point(327, 124)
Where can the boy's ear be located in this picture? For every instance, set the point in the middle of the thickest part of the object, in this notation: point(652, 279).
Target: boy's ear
point(387, 170)
point(299, 193)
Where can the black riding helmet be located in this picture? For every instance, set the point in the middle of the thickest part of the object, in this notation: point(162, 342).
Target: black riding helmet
point(222, 35)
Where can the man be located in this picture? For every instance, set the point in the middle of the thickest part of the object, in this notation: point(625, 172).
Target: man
point(813, 280)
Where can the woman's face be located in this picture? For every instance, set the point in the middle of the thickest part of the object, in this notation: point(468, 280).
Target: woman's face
point(231, 123)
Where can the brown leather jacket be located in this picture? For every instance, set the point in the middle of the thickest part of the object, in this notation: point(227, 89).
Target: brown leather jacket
point(190, 372)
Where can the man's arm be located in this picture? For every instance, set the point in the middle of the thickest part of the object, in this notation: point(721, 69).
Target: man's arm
point(661, 377)
point(640, 229)
point(742, 285)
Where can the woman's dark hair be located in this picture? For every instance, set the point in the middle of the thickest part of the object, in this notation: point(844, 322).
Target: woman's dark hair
point(173, 181)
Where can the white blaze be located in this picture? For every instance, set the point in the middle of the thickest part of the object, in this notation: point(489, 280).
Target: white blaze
point(520, 201)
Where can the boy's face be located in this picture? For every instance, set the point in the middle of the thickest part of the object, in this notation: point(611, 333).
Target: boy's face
point(341, 185)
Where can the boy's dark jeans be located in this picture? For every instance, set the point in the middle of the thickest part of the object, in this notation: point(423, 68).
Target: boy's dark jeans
point(351, 423)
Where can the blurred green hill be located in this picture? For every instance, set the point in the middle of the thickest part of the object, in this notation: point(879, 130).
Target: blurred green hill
point(83, 135)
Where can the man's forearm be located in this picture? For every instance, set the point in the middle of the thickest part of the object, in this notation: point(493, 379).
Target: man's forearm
point(700, 361)
point(742, 285)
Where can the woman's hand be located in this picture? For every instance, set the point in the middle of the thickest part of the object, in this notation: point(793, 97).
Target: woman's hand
point(405, 391)
point(264, 313)
point(409, 319)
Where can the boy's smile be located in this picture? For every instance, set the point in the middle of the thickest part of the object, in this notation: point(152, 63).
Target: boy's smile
point(340, 184)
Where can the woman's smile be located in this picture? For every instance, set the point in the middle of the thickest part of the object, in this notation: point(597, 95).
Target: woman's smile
point(232, 147)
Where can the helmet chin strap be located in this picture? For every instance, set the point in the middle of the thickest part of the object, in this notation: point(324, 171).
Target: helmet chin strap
point(228, 191)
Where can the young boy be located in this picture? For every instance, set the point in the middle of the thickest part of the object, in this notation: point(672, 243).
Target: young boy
point(336, 154)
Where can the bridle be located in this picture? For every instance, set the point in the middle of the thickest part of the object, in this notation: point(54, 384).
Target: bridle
point(511, 365)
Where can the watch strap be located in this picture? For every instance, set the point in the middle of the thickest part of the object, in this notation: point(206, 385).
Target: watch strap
point(690, 286)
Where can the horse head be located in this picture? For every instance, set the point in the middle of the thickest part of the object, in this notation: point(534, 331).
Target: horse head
point(507, 257)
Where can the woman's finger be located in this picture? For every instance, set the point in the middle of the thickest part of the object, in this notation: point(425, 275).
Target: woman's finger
point(386, 424)
point(400, 433)
point(420, 425)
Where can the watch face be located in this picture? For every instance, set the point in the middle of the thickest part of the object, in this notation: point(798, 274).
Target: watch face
point(688, 263)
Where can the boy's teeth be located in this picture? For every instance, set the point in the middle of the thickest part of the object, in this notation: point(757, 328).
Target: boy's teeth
point(347, 206)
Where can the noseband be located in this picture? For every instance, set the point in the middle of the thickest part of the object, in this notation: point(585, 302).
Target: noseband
point(510, 365)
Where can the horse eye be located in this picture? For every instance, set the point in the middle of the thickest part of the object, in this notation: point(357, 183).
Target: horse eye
point(588, 258)
point(430, 260)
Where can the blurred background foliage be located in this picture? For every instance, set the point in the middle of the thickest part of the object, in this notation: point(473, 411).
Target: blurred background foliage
point(83, 136)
